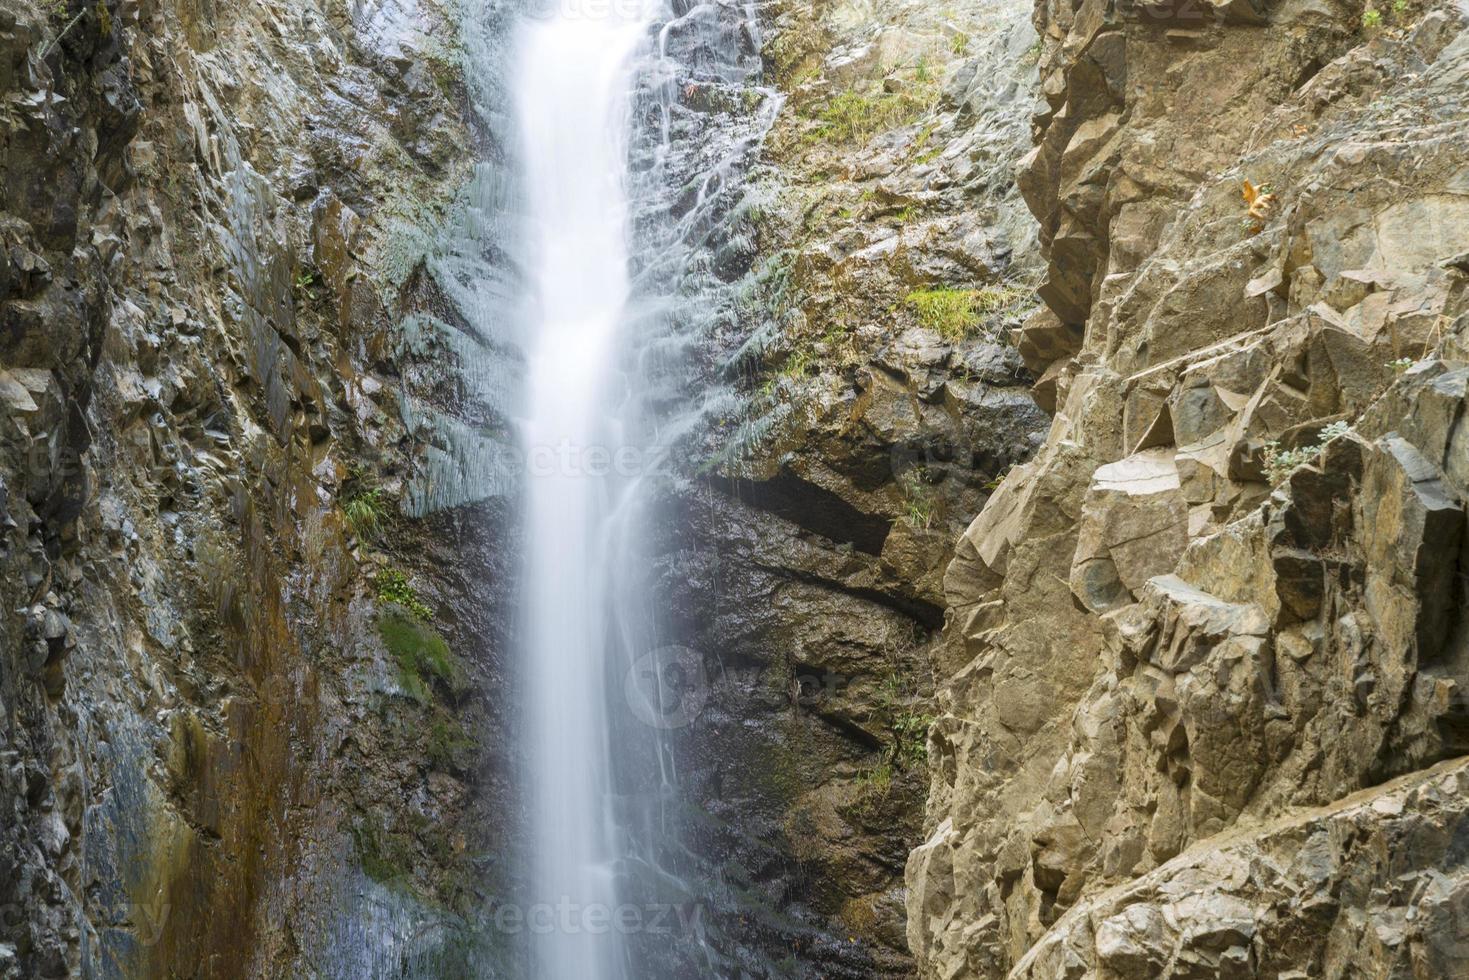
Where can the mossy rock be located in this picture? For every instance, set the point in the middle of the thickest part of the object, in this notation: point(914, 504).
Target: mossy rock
point(423, 656)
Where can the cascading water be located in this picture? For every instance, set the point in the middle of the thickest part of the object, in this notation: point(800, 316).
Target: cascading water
point(624, 194)
point(571, 84)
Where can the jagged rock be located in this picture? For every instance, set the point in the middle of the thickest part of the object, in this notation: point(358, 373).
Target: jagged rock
point(1288, 630)
point(1134, 525)
point(1376, 878)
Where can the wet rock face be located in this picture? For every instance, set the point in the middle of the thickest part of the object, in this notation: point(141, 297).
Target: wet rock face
point(210, 741)
point(1230, 585)
point(877, 401)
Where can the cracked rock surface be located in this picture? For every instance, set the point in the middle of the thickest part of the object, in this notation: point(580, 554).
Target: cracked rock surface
point(1222, 607)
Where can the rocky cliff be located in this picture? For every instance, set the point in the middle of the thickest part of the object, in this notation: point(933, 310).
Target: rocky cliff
point(1185, 698)
point(242, 687)
point(1209, 646)
point(881, 252)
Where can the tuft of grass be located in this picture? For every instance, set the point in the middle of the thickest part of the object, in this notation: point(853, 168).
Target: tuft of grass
point(1371, 18)
point(421, 654)
point(393, 587)
point(920, 504)
point(878, 780)
point(853, 117)
point(365, 512)
point(955, 313)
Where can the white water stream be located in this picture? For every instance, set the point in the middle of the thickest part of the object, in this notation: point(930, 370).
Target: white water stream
point(572, 82)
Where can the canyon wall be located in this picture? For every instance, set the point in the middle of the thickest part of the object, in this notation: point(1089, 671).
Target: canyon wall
point(1184, 699)
point(242, 686)
point(881, 253)
point(1209, 643)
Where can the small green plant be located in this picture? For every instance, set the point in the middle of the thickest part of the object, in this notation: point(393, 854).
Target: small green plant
point(921, 72)
point(393, 587)
point(910, 733)
point(959, 44)
point(365, 512)
point(1280, 463)
point(305, 279)
point(1401, 364)
point(877, 781)
point(919, 502)
point(797, 365)
point(1371, 18)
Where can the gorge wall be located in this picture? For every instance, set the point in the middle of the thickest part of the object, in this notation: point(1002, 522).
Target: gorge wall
point(1184, 699)
point(1211, 644)
point(233, 738)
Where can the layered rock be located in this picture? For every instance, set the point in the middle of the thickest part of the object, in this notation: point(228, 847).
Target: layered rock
point(1229, 585)
point(876, 404)
point(224, 751)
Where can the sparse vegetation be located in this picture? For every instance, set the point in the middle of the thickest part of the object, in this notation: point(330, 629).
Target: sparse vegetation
point(910, 731)
point(365, 512)
point(393, 587)
point(992, 485)
point(385, 857)
point(920, 503)
point(448, 743)
point(1401, 364)
point(955, 313)
point(877, 781)
point(1371, 18)
point(1280, 463)
point(797, 365)
point(854, 116)
point(907, 724)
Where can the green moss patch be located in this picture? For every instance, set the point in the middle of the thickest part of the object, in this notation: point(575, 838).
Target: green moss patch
point(422, 655)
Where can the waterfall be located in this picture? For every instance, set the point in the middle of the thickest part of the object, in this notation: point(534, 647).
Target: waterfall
point(623, 195)
point(571, 83)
